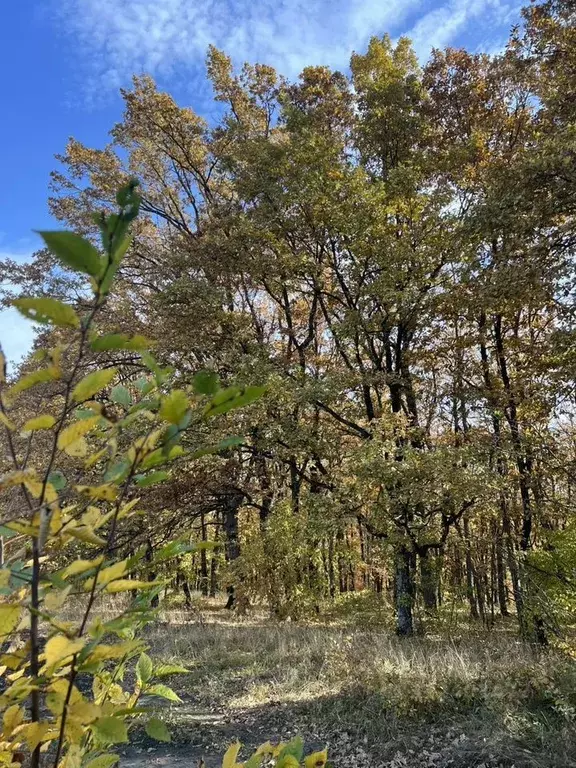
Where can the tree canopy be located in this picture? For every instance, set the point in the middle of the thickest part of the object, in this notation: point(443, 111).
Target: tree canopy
point(390, 253)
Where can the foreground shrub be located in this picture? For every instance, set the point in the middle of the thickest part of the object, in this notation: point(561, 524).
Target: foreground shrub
point(80, 448)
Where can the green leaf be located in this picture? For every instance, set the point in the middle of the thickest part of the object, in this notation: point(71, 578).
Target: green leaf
point(223, 445)
point(57, 480)
point(143, 481)
point(117, 471)
point(110, 730)
point(74, 251)
point(156, 729)
point(121, 395)
point(294, 748)
point(103, 761)
point(93, 383)
point(170, 669)
point(127, 194)
point(108, 277)
point(121, 248)
point(47, 310)
point(254, 761)
point(120, 341)
point(159, 456)
point(231, 398)
point(174, 406)
point(166, 693)
point(144, 668)
point(206, 383)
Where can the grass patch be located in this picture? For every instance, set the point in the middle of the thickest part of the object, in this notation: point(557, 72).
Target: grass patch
point(483, 700)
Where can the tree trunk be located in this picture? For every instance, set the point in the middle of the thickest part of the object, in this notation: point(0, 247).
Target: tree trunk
point(501, 574)
point(470, 574)
point(151, 574)
point(428, 580)
point(404, 592)
point(232, 503)
point(213, 576)
point(203, 559)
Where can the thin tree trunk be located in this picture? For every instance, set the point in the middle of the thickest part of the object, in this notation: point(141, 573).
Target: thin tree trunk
point(470, 573)
point(203, 558)
point(428, 582)
point(404, 591)
point(501, 573)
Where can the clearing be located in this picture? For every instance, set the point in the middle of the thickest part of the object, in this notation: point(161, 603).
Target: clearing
point(479, 700)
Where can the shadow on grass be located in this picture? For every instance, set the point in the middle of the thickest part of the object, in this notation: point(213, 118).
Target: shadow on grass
point(362, 732)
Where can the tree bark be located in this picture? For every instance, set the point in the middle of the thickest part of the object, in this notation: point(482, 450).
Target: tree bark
point(428, 581)
point(404, 592)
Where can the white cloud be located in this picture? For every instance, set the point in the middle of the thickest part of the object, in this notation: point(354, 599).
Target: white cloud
point(168, 38)
point(443, 25)
point(165, 37)
point(16, 332)
point(16, 336)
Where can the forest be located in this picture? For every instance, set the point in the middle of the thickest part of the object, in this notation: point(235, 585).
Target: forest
point(298, 431)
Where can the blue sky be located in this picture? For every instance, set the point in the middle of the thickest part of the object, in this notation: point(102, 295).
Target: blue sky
point(63, 61)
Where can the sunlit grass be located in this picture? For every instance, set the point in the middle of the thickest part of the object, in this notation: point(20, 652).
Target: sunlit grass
point(465, 698)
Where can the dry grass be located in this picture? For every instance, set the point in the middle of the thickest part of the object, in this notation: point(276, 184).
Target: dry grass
point(483, 700)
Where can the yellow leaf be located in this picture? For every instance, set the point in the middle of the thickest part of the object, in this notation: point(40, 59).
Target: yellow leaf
point(44, 309)
point(78, 449)
point(106, 492)
point(174, 406)
point(80, 566)
point(16, 478)
point(126, 585)
point(84, 711)
point(46, 421)
point(4, 577)
point(13, 716)
point(14, 660)
point(288, 761)
point(117, 651)
point(56, 521)
point(21, 526)
point(34, 487)
point(57, 695)
point(316, 759)
point(93, 383)
point(34, 734)
point(92, 517)
point(108, 574)
point(52, 373)
point(127, 508)
point(61, 647)
point(86, 534)
point(73, 758)
point(9, 618)
point(56, 598)
point(265, 749)
point(75, 432)
point(95, 458)
point(229, 760)
point(6, 421)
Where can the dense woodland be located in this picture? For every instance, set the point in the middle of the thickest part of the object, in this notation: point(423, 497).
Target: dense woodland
point(390, 252)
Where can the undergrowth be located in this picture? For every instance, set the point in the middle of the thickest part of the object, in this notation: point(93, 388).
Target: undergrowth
point(483, 699)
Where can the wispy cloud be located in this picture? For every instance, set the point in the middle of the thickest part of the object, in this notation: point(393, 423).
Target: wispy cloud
point(167, 37)
point(443, 25)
